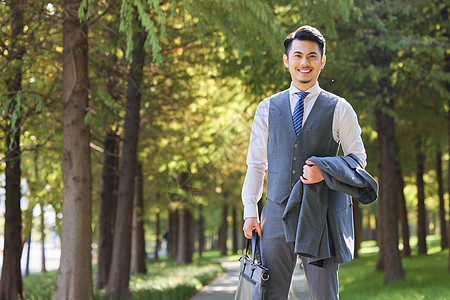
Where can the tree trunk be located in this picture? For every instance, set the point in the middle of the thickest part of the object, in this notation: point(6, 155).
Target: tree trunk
point(11, 280)
point(185, 239)
point(378, 219)
point(158, 235)
point(185, 245)
point(27, 263)
point(421, 218)
point(403, 214)
point(109, 183)
point(172, 238)
point(108, 206)
point(75, 270)
point(357, 220)
point(389, 208)
point(235, 230)
point(448, 177)
point(11, 277)
point(214, 245)
point(42, 229)
point(378, 235)
point(367, 231)
point(138, 254)
point(223, 231)
point(118, 281)
point(201, 232)
point(448, 183)
point(443, 222)
point(444, 13)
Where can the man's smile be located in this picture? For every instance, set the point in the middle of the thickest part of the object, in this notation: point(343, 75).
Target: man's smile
point(305, 71)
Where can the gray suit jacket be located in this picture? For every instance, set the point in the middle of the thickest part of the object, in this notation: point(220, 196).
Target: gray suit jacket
point(319, 217)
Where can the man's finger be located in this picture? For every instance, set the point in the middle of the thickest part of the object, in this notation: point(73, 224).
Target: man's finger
point(259, 229)
point(309, 163)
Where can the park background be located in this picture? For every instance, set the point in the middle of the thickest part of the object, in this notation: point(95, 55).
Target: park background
point(125, 124)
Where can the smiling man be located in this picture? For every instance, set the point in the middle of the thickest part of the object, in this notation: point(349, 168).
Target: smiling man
point(288, 128)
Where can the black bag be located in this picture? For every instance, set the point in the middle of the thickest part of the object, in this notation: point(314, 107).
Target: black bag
point(253, 275)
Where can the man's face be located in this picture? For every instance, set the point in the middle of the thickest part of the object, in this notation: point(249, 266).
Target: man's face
point(304, 63)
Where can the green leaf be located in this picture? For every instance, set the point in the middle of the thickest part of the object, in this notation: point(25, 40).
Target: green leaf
point(87, 118)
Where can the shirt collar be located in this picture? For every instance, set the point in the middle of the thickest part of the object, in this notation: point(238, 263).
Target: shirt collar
point(314, 90)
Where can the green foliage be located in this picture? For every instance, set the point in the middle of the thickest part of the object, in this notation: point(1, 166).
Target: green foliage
point(128, 12)
point(11, 112)
point(381, 54)
point(82, 11)
point(109, 102)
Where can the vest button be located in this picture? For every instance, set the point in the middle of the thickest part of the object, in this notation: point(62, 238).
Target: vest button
point(295, 145)
point(292, 184)
point(294, 158)
point(293, 171)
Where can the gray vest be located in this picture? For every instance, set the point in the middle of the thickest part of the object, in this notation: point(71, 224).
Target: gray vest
point(287, 152)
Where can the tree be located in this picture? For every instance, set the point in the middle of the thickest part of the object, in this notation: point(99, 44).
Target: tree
point(11, 277)
point(235, 231)
point(108, 205)
point(403, 214)
point(421, 211)
point(201, 231)
point(223, 231)
point(185, 243)
point(357, 224)
point(448, 181)
point(443, 222)
point(158, 234)
point(120, 267)
point(138, 254)
point(172, 238)
point(389, 206)
point(75, 271)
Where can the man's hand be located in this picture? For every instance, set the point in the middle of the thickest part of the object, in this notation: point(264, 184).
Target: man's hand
point(251, 224)
point(311, 173)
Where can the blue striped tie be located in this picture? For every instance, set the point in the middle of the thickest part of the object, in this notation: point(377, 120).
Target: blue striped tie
point(297, 116)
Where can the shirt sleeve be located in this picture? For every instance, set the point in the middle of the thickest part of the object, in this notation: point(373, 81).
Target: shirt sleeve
point(346, 130)
point(256, 161)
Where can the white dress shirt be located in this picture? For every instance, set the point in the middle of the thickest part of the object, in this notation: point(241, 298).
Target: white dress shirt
point(346, 131)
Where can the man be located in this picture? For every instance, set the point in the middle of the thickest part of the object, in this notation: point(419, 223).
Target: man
point(288, 128)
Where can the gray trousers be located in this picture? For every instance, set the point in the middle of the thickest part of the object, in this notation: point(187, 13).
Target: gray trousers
point(279, 257)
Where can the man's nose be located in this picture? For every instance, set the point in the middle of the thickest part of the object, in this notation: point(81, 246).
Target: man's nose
point(304, 61)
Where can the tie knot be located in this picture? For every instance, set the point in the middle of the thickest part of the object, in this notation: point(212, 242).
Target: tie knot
point(302, 95)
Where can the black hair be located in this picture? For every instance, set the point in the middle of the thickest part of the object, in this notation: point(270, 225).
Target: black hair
point(305, 33)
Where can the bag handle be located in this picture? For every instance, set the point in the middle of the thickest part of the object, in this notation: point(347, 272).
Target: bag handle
point(256, 248)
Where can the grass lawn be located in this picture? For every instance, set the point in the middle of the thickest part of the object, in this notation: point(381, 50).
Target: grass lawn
point(426, 276)
point(165, 280)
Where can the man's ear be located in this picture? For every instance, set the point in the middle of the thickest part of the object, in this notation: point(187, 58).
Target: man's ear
point(285, 60)
point(324, 60)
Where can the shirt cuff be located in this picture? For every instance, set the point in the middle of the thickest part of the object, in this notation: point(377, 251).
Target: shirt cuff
point(251, 211)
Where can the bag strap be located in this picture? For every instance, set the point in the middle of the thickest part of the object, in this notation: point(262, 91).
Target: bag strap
point(248, 248)
point(255, 247)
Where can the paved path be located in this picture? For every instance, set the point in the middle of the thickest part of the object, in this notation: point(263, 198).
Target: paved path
point(224, 287)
